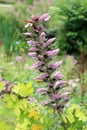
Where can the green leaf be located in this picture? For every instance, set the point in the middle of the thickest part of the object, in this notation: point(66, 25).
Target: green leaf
point(4, 126)
point(75, 100)
point(23, 126)
point(10, 100)
point(17, 111)
point(1, 86)
point(24, 89)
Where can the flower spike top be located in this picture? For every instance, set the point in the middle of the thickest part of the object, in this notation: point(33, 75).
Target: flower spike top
point(41, 50)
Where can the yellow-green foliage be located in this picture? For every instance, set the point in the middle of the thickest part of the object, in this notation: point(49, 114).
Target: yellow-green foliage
point(1, 86)
point(4, 126)
point(23, 89)
point(75, 111)
point(75, 118)
point(27, 113)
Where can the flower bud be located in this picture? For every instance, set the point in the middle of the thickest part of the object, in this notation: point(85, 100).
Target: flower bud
point(33, 54)
point(41, 90)
point(44, 17)
point(58, 75)
point(59, 84)
point(32, 43)
point(52, 52)
point(37, 64)
point(43, 76)
point(55, 65)
point(49, 42)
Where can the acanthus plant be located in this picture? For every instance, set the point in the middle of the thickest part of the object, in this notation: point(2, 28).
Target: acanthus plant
point(5, 87)
point(41, 51)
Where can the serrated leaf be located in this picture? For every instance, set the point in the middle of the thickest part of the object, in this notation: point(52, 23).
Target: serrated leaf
point(23, 126)
point(17, 111)
point(24, 89)
point(4, 126)
point(1, 86)
point(81, 115)
point(10, 100)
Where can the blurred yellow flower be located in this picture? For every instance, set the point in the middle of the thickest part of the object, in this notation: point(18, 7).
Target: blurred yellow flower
point(34, 114)
point(38, 81)
point(36, 127)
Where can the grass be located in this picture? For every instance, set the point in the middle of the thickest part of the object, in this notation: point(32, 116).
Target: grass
point(6, 116)
point(15, 71)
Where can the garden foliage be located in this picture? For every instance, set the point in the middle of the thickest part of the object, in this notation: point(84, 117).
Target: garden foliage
point(21, 105)
point(71, 22)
